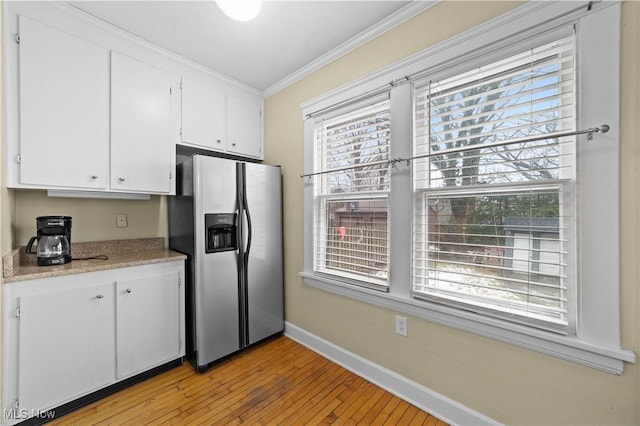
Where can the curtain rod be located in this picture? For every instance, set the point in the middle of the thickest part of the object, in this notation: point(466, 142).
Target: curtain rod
point(589, 132)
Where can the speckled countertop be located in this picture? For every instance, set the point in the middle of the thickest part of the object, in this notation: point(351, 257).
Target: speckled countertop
point(19, 266)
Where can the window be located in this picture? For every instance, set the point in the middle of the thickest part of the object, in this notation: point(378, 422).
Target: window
point(351, 194)
point(490, 214)
point(492, 198)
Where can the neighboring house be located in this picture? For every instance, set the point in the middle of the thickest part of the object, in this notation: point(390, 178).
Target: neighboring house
point(532, 244)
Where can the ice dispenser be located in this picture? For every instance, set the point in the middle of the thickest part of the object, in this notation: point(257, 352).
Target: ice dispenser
point(221, 232)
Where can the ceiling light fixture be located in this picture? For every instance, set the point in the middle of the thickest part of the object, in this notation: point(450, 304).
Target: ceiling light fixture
point(240, 10)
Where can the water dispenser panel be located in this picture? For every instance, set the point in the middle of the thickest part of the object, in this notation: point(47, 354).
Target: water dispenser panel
point(221, 232)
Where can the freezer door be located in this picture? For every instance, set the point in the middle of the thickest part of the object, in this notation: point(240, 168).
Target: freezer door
point(264, 271)
point(216, 277)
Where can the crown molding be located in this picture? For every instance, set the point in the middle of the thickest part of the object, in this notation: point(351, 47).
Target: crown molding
point(412, 9)
point(534, 17)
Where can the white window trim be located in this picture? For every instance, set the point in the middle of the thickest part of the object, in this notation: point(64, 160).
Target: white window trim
point(372, 104)
point(597, 340)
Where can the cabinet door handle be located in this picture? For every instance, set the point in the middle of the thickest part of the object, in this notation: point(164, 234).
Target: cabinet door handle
point(128, 290)
point(218, 140)
point(121, 179)
point(94, 177)
point(233, 144)
point(100, 296)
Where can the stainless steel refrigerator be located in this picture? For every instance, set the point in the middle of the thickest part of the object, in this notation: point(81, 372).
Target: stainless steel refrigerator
point(226, 217)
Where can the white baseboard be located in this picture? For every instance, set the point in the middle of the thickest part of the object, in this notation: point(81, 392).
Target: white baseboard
point(422, 397)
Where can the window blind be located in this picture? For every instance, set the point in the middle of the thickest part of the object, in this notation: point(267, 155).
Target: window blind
point(525, 95)
point(351, 196)
point(493, 224)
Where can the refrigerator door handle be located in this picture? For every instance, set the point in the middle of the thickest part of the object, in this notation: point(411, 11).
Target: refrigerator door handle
point(249, 229)
point(240, 213)
point(242, 277)
point(243, 211)
point(244, 258)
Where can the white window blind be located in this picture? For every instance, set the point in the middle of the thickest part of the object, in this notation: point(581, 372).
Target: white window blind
point(492, 214)
point(351, 194)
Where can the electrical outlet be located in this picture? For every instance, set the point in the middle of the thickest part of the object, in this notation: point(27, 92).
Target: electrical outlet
point(121, 220)
point(401, 325)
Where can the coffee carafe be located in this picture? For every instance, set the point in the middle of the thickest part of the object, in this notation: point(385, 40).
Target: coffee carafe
point(54, 240)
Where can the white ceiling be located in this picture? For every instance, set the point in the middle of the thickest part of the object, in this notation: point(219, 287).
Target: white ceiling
point(287, 38)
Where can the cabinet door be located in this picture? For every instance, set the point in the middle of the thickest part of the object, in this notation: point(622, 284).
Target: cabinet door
point(203, 115)
point(141, 150)
point(147, 322)
point(244, 127)
point(64, 109)
point(66, 345)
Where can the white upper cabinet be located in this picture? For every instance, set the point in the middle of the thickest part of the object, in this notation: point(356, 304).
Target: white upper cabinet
point(92, 109)
point(90, 118)
point(212, 119)
point(203, 116)
point(64, 109)
point(244, 127)
point(141, 148)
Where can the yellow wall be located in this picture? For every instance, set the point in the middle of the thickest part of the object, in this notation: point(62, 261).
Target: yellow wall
point(507, 383)
point(92, 219)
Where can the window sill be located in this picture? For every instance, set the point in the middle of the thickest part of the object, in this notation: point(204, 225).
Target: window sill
point(608, 359)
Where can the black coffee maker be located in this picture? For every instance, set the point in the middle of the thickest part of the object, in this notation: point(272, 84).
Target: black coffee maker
point(54, 240)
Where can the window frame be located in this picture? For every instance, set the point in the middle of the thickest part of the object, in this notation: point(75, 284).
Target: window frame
point(596, 342)
point(379, 103)
point(564, 183)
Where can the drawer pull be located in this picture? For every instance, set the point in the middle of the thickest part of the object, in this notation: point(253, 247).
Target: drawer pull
point(100, 296)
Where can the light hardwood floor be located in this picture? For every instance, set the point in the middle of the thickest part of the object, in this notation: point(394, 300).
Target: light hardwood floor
point(279, 382)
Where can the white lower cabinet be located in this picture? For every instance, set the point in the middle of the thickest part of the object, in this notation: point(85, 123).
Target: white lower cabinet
point(65, 345)
point(147, 322)
point(68, 336)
